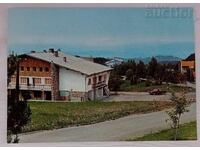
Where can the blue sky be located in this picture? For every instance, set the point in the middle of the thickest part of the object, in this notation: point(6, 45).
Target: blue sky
point(108, 32)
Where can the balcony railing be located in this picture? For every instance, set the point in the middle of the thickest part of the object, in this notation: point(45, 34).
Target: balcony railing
point(99, 84)
point(31, 87)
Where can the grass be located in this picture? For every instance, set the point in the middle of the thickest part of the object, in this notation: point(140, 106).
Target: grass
point(186, 131)
point(141, 87)
point(53, 115)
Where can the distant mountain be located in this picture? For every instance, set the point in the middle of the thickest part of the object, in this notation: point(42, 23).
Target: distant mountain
point(191, 57)
point(160, 59)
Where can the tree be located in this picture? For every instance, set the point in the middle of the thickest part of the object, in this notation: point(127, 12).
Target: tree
point(141, 70)
point(11, 65)
point(100, 60)
point(152, 67)
point(132, 65)
point(123, 67)
point(180, 105)
point(129, 75)
point(114, 82)
point(19, 112)
point(160, 73)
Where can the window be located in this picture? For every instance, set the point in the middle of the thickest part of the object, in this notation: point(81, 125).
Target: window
point(23, 80)
point(28, 68)
point(47, 81)
point(41, 69)
point(37, 81)
point(22, 68)
point(89, 81)
point(34, 68)
point(46, 69)
point(100, 78)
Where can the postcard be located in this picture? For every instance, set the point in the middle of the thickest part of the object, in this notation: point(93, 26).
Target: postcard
point(101, 74)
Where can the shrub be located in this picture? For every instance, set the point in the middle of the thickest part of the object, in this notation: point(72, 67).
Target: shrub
point(18, 115)
point(175, 114)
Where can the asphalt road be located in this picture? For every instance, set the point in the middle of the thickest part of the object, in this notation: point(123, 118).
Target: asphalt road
point(144, 96)
point(114, 130)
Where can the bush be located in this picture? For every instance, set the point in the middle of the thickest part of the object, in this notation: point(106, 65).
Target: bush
point(181, 104)
point(147, 83)
point(18, 115)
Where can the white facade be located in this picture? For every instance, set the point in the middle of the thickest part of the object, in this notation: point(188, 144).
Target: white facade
point(71, 80)
point(97, 90)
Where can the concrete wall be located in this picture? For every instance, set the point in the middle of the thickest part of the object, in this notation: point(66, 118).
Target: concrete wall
point(98, 91)
point(71, 80)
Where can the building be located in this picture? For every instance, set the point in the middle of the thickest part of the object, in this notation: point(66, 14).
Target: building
point(187, 67)
point(53, 75)
point(114, 61)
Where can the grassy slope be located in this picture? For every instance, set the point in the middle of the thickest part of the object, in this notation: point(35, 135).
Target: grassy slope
point(141, 87)
point(51, 115)
point(187, 131)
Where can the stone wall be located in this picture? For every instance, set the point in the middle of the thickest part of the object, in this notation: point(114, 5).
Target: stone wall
point(55, 82)
point(64, 98)
point(83, 96)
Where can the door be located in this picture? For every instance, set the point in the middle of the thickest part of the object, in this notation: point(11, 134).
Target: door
point(48, 95)
point(28, 82)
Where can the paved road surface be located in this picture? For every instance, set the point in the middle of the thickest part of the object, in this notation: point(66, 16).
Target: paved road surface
point(188, 84)
point(114, 130)
point(144, 96)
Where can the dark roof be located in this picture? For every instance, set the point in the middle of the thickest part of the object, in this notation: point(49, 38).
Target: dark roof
point(191, 57)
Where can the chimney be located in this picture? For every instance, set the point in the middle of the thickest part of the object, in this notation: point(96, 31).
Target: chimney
point(32, 51)
point(65, 59)
point(51, 50)
point(56, 53)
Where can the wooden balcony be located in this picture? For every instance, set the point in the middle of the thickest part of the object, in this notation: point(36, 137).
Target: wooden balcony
point(31, 87)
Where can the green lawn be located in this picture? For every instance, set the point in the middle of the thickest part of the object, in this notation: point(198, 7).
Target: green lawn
point(187, 131)
point(141, 87)
point(51, 115)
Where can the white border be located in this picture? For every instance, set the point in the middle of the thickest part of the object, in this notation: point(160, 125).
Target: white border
point(99, 1)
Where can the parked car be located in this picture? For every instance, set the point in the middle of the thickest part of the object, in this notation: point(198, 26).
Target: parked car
point(156, 92)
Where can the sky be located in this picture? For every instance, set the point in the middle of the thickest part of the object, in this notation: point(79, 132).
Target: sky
point(103, 32)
